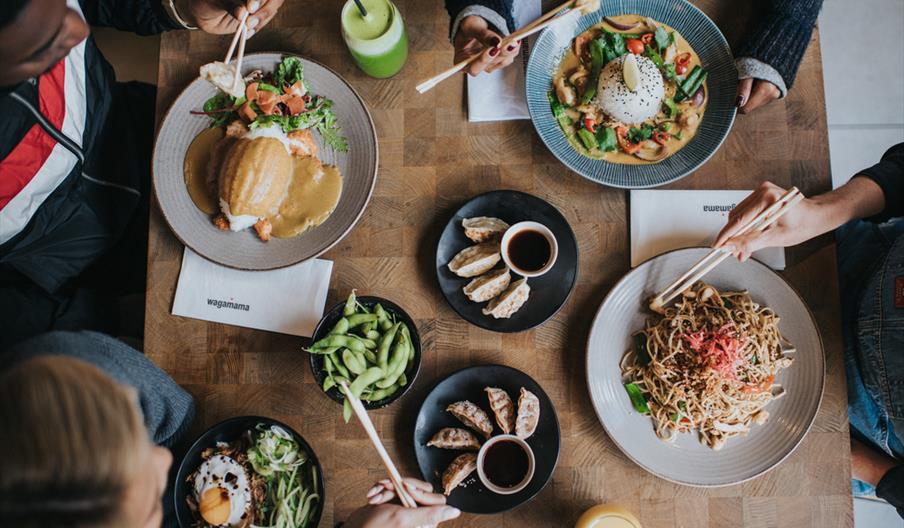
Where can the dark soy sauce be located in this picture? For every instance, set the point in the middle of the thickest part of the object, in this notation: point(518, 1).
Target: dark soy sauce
point(505, 464)
point(529, 250)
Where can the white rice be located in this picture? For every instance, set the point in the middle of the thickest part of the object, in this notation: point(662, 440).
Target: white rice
point(623, 105)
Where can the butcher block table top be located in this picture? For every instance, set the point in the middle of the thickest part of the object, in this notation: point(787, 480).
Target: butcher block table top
point(432, 161)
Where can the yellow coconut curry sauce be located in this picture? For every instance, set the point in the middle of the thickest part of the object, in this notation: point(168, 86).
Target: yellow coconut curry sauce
point(311, 196)
point(672, 128)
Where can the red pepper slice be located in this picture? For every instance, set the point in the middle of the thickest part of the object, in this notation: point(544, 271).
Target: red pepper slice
point(683, 60)
point(621, 134)
point(660, 137)
point(646, 38)
point(590, 124)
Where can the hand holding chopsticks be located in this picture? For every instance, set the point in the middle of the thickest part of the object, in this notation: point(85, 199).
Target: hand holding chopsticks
point(757, 224)
point(578, 7)
point(396, 485)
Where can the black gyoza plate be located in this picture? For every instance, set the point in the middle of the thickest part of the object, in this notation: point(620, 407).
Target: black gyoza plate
point(227, 431)
point(468, 384)
point(548, 293)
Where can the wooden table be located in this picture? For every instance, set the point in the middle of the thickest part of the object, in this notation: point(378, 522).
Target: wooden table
point(432, 160)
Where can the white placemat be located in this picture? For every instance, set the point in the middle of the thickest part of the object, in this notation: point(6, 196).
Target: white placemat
point(500, 96)
point(663, 220)
point(288, 300)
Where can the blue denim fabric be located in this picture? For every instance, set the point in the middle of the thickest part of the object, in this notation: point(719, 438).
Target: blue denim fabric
point(870, 257)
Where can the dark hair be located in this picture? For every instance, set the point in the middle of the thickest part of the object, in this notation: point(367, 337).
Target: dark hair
point(9, 11)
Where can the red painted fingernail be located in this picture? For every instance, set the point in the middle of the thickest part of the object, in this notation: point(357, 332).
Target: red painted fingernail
point(739, 102)
point(494, 52)
point(511, 47)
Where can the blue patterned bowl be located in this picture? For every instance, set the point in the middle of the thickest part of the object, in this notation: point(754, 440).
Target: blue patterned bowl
point(707, 41)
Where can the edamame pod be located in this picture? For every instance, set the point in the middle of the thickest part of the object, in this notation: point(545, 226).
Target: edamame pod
point(385, 342)
point(382, 317)
point(340, 327)
point(340, 368)
point(347, 411)
point(373, 335)
point(369, 377)
point(351, 362)
point(331, 341)
point(328, 365)
point(367, 328)
point(411, 350)
point(380, 394)
point(370, 356)
point(397, 366)
point(328, 383)
point(350, 305)
point(360, 318)
point(403, 380)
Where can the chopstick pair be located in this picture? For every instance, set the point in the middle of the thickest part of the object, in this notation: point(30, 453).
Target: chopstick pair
point(241, 32)
point(534, 27)
point(394, 475)
point(712, 259)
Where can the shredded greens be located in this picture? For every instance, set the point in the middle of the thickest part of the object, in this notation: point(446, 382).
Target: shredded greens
point(318, 111)
point(292, 493)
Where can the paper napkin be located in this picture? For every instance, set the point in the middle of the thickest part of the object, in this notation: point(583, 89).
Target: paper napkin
point(500, 96)
point(663, 220)
point(287, 300)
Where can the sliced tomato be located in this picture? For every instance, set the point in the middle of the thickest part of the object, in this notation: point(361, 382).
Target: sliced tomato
point(590, 124)
point(621, 133)
point(646, 38)
point(680, 69)
point(635, 46)
point(660, 137)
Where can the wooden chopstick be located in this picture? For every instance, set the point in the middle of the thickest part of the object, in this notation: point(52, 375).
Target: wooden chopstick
point(368, 426)
point(763, 220)
point(235, 38)
point(537, 25)
point(241, 55)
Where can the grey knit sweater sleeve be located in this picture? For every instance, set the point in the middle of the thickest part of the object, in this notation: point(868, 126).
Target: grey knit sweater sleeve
point(780, 33)
point(498, 13)
point(168, 410)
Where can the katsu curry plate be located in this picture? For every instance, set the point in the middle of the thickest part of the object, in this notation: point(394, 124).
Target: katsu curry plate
point(633, 95)
point(271, 171)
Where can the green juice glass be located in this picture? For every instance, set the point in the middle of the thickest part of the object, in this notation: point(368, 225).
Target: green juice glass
point(377, 42)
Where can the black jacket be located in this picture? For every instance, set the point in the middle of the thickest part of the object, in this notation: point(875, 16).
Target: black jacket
point(67, 187)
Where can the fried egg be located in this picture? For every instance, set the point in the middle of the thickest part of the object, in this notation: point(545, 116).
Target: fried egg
point(222, 492)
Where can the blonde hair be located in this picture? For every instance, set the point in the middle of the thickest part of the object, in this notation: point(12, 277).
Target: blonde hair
point(71, 439)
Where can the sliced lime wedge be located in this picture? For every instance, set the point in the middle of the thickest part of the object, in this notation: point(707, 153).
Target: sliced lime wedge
point(631, 72)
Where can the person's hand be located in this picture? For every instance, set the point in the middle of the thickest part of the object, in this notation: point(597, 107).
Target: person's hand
point(222, 16)
point(802, 222)
point(475, 37)
point(379, 513)
point(754, 93)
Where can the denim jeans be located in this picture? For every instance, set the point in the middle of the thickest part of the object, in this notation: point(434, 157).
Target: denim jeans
point(870, 262)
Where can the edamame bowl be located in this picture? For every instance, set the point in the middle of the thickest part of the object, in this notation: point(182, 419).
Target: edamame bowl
point(359, 308)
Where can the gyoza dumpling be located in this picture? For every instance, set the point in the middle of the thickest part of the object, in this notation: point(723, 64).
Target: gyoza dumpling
point(472, 416)
point(528, 414)
point(458, 471)
point(475, 260)
point(483, 228)
point(454, 438)
point(488, 285)
point(503, 408)
point(509, 301)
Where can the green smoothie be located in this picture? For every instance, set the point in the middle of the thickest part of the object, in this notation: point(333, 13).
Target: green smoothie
point(377, 42)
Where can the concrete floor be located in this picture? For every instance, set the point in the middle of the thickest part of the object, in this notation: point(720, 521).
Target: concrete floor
point(864, 84)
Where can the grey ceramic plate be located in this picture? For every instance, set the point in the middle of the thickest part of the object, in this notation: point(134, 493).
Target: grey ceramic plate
point(687, 461)
point(706, 39)
point(243, 249)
